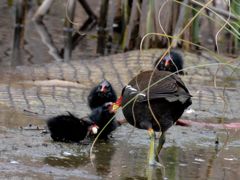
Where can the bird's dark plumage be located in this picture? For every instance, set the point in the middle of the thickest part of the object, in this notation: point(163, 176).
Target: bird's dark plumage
point(172, 62)
point(168, 100)
point(101, 116)
point(100, 94)
point(68, 128)
point(155, 108)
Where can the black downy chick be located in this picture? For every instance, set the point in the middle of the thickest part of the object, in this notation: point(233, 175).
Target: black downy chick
point(69, 128)
point(172, 62)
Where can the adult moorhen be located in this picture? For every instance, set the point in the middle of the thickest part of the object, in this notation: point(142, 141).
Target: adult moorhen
point(100, 94)
point(155, 108)
point(172, 62)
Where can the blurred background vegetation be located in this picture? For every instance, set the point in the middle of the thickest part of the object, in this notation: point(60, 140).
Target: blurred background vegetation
point(120, 25)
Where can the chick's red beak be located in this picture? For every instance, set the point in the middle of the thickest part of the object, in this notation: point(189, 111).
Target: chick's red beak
point(167, 62)
point(103, 89)
point(117, 104)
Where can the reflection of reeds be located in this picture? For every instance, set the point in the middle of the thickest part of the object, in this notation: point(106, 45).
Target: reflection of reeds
point(235, 9)
point(68, 29)
point(101, 44)
point(43, 9)
point(141, 17)
point(18, 39)
point(195, 28)
point(10, 2)
point(47, 40)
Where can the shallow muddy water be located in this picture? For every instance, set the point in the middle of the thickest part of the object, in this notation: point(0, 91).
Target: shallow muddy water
point(189, 153)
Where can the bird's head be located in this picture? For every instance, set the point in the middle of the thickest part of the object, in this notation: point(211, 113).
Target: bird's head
point(172, 62)
point(104, 88)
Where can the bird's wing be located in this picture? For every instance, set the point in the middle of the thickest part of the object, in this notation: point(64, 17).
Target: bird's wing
point(181, 83)
point(163, 85)
point(166, 86)
point(170, 89)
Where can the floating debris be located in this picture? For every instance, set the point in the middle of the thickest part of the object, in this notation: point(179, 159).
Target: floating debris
point(190, 111)
point(199, 160)
point(230, 159)
point(183, 164)
point(31, 127)
point(65, 153)
point(14, 162)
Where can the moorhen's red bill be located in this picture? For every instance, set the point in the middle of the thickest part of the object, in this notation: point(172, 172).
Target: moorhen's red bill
point(154, 108)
